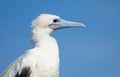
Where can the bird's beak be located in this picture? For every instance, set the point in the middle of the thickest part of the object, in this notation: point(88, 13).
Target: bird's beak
point(66, 24)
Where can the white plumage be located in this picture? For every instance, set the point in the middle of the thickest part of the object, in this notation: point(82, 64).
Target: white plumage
point(43, 59)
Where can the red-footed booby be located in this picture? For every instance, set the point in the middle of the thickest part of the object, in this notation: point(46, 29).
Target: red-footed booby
point(43, 59)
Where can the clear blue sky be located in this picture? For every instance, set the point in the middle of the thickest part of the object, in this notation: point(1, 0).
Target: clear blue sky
point(93, 51)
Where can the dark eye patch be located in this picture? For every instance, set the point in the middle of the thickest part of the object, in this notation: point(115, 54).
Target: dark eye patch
point(56, 20)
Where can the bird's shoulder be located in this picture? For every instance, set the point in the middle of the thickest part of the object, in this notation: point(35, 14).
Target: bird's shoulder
point(20, 65)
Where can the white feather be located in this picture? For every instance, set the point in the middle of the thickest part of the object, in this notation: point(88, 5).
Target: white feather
point(43, 59)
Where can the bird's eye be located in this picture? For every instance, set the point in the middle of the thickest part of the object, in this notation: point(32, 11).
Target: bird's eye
point(56, 20)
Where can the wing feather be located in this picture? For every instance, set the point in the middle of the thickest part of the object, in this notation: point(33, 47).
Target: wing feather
point(18, 68)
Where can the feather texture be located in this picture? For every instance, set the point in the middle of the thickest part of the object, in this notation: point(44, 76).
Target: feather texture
point(25, 72)
point(43, 59)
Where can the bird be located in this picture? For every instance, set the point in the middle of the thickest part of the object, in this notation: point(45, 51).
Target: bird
point(43, 59)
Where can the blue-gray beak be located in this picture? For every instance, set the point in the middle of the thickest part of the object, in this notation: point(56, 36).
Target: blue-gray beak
point(66, 24)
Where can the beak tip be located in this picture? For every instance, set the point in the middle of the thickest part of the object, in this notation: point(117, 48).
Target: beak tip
point(83, 25)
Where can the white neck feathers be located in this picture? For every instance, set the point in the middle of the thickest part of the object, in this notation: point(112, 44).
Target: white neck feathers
point(41, 37)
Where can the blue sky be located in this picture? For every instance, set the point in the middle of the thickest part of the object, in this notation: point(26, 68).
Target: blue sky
point(93, 51)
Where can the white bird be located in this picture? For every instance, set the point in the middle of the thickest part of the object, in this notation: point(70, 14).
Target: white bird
point(43, 59)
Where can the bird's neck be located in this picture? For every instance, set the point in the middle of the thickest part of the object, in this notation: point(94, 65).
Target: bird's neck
point(42, 38)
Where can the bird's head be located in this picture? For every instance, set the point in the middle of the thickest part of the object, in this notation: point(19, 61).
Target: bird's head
point(49, 23)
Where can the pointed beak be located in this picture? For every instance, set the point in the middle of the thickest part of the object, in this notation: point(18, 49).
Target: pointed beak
point(66, 24)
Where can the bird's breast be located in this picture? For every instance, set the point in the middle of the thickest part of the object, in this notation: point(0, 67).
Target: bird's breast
point(45, 63)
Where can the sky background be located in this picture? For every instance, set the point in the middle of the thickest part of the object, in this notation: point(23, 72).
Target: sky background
point(93, 51)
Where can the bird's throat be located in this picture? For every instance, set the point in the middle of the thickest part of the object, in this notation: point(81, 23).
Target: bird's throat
point(42, 38)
